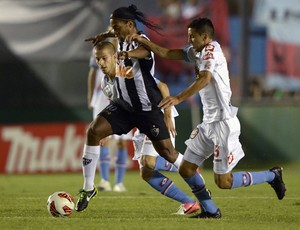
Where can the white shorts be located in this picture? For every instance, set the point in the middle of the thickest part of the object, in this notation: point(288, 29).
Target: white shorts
point(220, 138)
point(144, 147)
point(127, 136)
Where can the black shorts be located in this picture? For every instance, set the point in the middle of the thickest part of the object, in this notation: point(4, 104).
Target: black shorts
point(151, 123)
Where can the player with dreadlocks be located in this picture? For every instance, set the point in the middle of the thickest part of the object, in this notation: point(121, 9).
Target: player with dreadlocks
point(135, 106)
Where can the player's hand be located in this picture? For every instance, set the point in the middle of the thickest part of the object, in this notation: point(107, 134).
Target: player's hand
point(122, 55)
point(168, 102)
point(100, 37)
point(134, 37)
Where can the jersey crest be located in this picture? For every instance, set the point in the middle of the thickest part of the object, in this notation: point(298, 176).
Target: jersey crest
point(124, 69)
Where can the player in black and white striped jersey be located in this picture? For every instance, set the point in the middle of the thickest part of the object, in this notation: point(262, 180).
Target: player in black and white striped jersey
point(136, 105)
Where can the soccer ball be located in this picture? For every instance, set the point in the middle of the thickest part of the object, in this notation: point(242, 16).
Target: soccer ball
point(60, 204)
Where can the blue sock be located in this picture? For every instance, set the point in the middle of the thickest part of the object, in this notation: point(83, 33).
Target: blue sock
point(104, 163)
point(198, 188)
point(163, 164)
point(166, 187)
point(240, 179)
point(121, 165)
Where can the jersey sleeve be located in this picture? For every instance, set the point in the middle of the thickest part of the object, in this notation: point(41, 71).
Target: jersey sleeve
point(189, 54)
point(208, 57)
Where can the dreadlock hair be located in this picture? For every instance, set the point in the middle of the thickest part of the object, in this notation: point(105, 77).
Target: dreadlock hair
point(202, 25)
point(132, 13)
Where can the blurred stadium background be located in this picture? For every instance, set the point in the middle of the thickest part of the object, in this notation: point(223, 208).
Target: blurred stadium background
point(44, 68)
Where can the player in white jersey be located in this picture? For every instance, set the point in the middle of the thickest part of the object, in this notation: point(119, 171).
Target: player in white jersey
point(136, 105)
point(97, 102)
point(218, 134)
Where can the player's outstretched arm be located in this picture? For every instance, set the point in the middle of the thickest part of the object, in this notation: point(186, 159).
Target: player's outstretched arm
point(100, 37)
point(163, 88)
point(139, 53)
point(175, 54)
point(202, 79)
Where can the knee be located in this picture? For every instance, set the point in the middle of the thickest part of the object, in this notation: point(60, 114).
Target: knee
point(169, 154)
point(148, 162)
point(147, 170)
point(186, 172)
point(91, 132)
point(187, 169)
point(166, 150)
point(146, 173)
point(223, 181)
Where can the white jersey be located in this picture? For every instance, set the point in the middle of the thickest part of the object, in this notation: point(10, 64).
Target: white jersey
point(216, 95)
point(99, 100)
point(219, 132)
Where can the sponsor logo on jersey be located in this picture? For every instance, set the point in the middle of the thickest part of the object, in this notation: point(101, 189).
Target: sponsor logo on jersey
point(124, 71)
point(209, 52)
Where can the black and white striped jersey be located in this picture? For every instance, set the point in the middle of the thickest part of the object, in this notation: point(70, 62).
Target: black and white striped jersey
point(136, 84)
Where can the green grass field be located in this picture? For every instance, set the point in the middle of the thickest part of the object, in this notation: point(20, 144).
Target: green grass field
point(23, 205)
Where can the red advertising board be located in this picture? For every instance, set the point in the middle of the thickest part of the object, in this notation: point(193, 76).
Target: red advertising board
point(44, 148)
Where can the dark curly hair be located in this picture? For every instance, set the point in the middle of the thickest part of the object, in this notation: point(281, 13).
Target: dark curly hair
point(202, 25)
point(132, 13)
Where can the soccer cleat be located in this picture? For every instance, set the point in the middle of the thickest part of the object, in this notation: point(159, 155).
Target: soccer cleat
point(119, 188)
point(104, 186)
point(188, 208)
point(206, 215)
point(84, 199)
point(278, 184)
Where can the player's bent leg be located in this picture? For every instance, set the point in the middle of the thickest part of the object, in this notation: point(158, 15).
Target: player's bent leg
point(164, 165)
point(189, 173)
point(89, 164)
point(272, 176)
point(98, 129)
point(148, 162)
point(166, 187)
point(166, 149)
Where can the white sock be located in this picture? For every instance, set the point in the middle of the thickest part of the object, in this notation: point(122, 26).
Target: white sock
point(89, 164)
point(178, 160)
